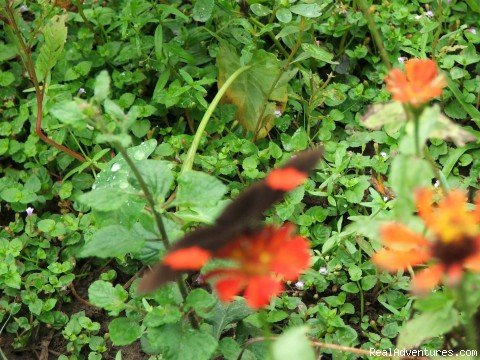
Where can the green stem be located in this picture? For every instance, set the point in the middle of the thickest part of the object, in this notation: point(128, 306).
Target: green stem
point(148, 195)
point(470, 330)
point(362, 300)
point(372, 26)
point(188, 164)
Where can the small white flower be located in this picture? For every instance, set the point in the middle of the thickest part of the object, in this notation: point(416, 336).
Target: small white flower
point(385, 198)
point(429, 14)
point(277, 113)
point(81, 91)
point(401, 59)
point(23, 8)
point(418, 17)
point(29, 211)
point(323, 270)
point(299, 285)
point(436, 184)
point(383, 154)
point(472, 30)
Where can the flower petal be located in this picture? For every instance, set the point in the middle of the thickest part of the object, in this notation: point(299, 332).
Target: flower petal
point(285, 179)
point(229, 286)
point(398, 237)
point(292, 258)
point(392, 260)
point(454, 274)
point(191, 258)
point(423, 200)
point(260, 290)
point(425, 280)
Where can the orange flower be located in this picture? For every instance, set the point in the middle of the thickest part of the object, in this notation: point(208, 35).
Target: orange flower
point(261, 260)
point(420, 82)
point(454, 243)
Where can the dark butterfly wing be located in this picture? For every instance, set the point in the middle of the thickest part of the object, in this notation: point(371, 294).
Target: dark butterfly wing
point(243, 214)
point(249, 206)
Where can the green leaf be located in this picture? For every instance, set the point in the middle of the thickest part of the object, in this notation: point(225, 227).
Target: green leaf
point(202, 10)
point(158, 41)
point(11, 195)
point(427, 326)
point(7, 52)
point(55, 36)
point(252, 90)
point(6, 78)
point(158, 176)
point(307, 10)
point(46, 225)
point(293, 344)
point(104, 199)
point(260, 10)
point(110, 241)
point(223, 315)
point(69, 112)
point(200, 301)
point(104, 295)
point(319, 53)
point(198, 188)
point(284, 15)
point(162, 315)
point(180, 343)
point(102, 86)
point(124, 331)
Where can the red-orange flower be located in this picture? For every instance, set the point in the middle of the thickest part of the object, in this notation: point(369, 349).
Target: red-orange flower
point(454, 243)
point(420, 82)
point(261, 261)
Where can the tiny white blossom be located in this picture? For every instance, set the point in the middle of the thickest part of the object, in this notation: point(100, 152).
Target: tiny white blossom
point(383, 154)
point(29, 211)
point(429, 14)
point(23, 8)
point(418, 17)
point(300, 285)
point(436, 184)
point(81, 91)
point(277, 113)
point(472, 30)
point(323, 270)
point(385, 198)
point(402, 59)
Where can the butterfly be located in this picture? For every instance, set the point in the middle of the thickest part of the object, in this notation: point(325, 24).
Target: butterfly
point(241, 217)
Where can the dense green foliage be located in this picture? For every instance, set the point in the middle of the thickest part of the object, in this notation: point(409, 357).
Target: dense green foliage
point(141, 75)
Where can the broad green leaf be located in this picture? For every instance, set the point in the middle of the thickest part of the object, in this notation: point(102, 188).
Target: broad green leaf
point(7, 52)
point(223, 315)
point(427, 326)
point(175, 342)
point(157, 175)
point(11, 195)
point(70, 113)
point(162, 315)
point(198, 188)
point(6, 78)
point(200, 301)
point(105, 296)
point(55, 36)
point(319, 53)
point(110, 241)
point(307, 10)
point(260, 10)
point(202, 10)
point(124, 331)
point(256, 92)
point(104, 199)
point(293, 344)
point(102, 86)
point(284, 15)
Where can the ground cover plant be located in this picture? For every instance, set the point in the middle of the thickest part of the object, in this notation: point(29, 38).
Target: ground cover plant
point(127, 126)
